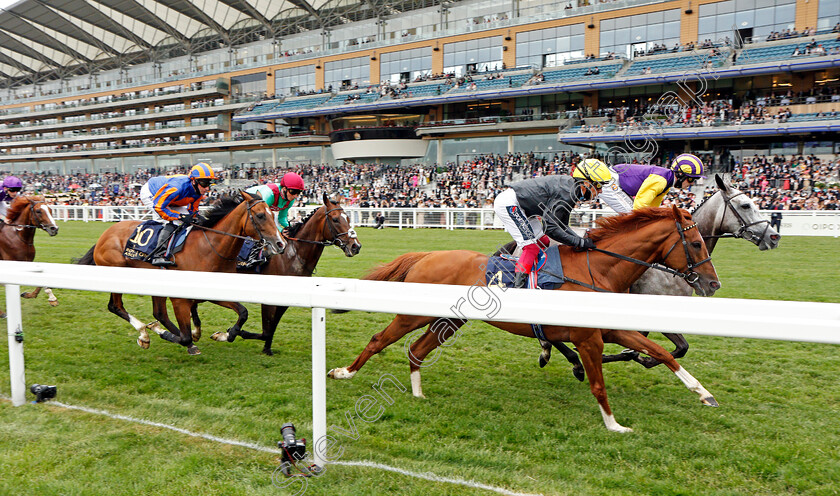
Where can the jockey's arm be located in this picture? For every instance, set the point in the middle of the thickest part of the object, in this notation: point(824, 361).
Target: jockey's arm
point(283, 218)
point(161, 203)
point(651, 192)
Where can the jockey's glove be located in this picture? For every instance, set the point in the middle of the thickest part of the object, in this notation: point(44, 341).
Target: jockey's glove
point(186, 218)
point(583, 244)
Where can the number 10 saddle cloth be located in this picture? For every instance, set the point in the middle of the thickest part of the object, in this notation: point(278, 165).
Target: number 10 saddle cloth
point(144, 240)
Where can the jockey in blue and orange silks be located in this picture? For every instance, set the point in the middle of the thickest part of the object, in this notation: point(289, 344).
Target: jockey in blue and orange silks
point(552, 198)
point(636, 186)
point(173, 200)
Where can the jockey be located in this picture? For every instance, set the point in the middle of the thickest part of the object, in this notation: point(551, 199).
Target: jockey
point(280, 198)
point(636, 186)
point(8, 192)
point(552, 198)
point(174, 200)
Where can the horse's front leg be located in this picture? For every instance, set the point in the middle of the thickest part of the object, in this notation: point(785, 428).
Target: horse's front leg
point(590, 345)
point(438, 332)
point(171, 333)
point(115, 306)
point(31, 294)
point(235, 330)
point(182, 308)
point(399, 327)
point(636, 341)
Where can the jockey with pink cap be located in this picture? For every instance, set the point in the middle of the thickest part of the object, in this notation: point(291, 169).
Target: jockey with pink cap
point(280, 197)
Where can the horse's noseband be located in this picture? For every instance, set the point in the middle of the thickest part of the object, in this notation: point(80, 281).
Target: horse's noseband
point(690, 276)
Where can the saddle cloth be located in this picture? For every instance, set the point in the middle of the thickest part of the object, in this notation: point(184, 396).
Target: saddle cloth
point(144, 239)
point(548, 269)
point(251, 255)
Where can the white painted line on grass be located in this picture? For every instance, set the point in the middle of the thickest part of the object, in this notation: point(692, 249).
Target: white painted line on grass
point(233, 442)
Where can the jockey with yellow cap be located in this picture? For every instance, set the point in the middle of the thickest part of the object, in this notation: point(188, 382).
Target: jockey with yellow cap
point(552, 198)
point(280, 198)
point(637, 186)
point(173, 200)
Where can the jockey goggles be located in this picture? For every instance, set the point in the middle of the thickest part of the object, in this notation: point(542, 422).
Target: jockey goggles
point(204, 183)
point(291, 191)
point(13, 190)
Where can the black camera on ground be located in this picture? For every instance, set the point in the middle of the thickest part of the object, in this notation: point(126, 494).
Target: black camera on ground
point(294, 450)
point(43, 393)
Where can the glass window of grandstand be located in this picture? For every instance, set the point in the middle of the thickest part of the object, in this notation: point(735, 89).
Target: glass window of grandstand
point(246, 162)
point(295, 81)
point(828, 16)
point(134, 164)
point(406, 66)
point(302, 157)
point(473, 56)
point(347, 74)
point(553, 106)
point(642, 34)
point(463, 149)
point(745, 21)
point(248, 85)
point(550, 47)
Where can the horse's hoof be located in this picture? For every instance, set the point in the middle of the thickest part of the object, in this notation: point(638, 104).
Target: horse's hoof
point(579, 373)
point(341, 373)
point(143, 344)
point(53, 303)
point(648, 362)
point(196, 334)
point(621, 429)
point(219, 336)
point(193, 350)
point(26, 295)
point(2, 315)
point(267, 352)
point(710, 401)
point(543, 362)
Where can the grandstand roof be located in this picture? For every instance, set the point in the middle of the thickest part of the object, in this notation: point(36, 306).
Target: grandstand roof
point(42, 39)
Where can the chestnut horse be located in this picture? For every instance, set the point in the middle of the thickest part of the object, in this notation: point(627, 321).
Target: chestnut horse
point(325, 226)
point(211, 247)
point(653, 235)
point(17, 239)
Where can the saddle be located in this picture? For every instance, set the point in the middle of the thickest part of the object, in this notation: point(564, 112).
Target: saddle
point(144, 240)
point(250, 256)
point(547, 272)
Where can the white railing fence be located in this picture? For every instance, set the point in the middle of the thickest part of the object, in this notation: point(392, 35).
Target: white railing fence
point(783, 320)
point(794, 223)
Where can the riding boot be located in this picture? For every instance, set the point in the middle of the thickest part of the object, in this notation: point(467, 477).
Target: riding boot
point(520, 280)
point(158, 258)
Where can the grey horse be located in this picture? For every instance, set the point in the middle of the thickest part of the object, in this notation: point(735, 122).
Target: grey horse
point(728, 213)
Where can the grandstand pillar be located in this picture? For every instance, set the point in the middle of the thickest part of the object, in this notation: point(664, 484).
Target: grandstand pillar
point(806, 14)
point(688, 22)
point(590, 99)
point(510, 143)
point(439, 153)
point(592, 39)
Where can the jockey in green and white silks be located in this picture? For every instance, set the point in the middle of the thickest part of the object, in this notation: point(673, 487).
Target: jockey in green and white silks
point(280, 198)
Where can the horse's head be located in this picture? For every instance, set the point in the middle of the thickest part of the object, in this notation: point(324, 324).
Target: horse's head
point(742, 219)
point(37, 211)
point(338, 229)
point(687, 254)
point(260, 224)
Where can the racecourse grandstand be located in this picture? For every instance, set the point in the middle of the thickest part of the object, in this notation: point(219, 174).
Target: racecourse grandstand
point(122, 89)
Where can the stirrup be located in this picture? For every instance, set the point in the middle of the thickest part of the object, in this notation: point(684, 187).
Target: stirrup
point(520, 280)
point(162, 262)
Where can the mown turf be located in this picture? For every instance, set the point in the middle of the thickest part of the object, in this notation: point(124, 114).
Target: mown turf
point(491, 415)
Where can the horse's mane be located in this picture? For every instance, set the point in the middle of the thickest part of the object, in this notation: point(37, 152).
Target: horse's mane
point(219, 209)
point(19, 204)
point(618, 224)
point(294, 229)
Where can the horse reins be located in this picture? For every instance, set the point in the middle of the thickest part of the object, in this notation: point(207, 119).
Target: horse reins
point(689, 275)
point(336, 236)
point(261, 242)
point(24, 226)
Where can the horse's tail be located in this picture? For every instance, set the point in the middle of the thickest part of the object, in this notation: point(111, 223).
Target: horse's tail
point(398, 269)
point(87, 259)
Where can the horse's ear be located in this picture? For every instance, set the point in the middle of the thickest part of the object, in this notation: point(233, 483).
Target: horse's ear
point(326, 199)
point(245, 195)
point(721, 184)
point(677, 213)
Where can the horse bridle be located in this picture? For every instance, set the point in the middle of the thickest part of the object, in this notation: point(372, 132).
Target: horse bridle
point(744, 231)
point(336, 236)
point(261, 243)
point(33, 214)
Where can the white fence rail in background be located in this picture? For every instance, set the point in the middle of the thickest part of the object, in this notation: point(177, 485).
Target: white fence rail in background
point(784, 320)
point(794, 222)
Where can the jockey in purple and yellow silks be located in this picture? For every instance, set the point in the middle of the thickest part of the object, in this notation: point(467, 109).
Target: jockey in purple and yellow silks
point(280, 198)
point(9, 190)
point(175, 199)
point(636, 186)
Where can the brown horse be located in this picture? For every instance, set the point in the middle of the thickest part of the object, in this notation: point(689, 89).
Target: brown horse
point(17, 238)
point(211, 247)
point(661, 235)
point(325, 226)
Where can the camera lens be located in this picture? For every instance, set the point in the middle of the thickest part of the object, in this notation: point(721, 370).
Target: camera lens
point(288, 432)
